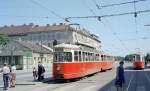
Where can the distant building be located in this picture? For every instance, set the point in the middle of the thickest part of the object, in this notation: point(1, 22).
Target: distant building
point(24, 35)
point(47, 34)
point(24, 55)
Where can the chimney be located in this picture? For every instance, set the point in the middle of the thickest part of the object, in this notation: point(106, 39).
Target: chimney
point(47, 25)
point(60, 23)
point(36, 25)
point(31, 24)
point(24, 24)
point(5, 26)
point(54, 24)
point(12, 25)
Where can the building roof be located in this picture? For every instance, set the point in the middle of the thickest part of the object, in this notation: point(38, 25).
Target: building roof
point(25, 29)
point(31, 28)
point(35, 47)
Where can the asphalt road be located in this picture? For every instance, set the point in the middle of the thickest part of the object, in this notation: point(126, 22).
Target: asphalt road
point(136, 80)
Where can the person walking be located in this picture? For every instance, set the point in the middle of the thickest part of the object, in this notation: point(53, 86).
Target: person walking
point(41, 71)
point(120, 78)
point(6, 72)
point(34, 73)
point(13, 75)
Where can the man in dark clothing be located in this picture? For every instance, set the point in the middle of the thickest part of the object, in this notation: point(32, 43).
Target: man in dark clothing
point(41, 71)
point(120, 79)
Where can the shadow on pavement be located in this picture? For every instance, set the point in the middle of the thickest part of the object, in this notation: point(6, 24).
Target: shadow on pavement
point(110, 86)
point(147, 67)
point(129, 68)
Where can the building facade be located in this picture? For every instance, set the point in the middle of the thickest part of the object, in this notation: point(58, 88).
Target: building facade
point(27, 56)
point(47, 34)
point(24, 55)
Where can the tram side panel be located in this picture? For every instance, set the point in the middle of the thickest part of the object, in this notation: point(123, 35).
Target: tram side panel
point(139, 65)
point(91, 67)
point(109, 65)
point(74, 70)
point(68, 70)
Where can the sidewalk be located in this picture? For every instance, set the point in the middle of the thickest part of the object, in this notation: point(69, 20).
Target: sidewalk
point(25, 79)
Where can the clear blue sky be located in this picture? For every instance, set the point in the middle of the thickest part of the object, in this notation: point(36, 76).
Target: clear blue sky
point(18, 12)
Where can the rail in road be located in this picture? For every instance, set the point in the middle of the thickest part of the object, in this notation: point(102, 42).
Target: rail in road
point(136, 80)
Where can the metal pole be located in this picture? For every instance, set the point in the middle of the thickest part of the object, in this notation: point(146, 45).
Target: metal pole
point(41, 46)
point(11, 57)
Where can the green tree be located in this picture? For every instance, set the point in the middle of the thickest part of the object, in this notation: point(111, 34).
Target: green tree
point(129, 57)
point(4, 39)
point(147, 58)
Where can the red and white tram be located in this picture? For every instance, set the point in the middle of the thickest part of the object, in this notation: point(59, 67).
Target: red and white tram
point(106, 62)
point(72, 61)
point(138, 61)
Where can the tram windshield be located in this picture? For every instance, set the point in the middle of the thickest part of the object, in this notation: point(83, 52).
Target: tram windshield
point(137, 58)
point(63, 57)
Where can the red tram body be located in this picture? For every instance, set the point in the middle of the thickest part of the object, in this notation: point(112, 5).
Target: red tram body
point(72, 61)
point(138, 61)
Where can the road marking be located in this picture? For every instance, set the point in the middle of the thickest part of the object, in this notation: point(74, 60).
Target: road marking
point(130, 83)
point(140, 88)
point(147, 77)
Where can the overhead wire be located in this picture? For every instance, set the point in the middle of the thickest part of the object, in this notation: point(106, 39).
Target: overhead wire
point(99, 19)
point(49, 10)
point(23, 16)
point(123, 3)
point(92, 11)
point(136, 23)
point(135, 16)
point(110, 15)
point(97, 5)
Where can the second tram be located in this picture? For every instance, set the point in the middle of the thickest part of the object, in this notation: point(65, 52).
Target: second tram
point(72, 61)
point(138, 61)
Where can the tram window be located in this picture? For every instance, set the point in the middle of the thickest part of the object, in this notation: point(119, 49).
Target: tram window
point(75, 56)
point(110, 58)
point(59, 57)
point(68, 56)
point(80, 56)
point(92, 57)
point(97, 57)
point(137, 57)
point(102, 57)
point(55, 57)
point(88, 59)
point(84, 57)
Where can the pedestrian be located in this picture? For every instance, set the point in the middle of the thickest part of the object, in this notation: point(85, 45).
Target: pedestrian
point(120, 78)
point(34, 73)
point(10, 77)
point(6, 72)
point(145, 63)
point(43, 72)
point(13, 75)
point(39, 71)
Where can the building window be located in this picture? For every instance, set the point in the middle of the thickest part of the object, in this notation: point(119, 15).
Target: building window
point(49, 44)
